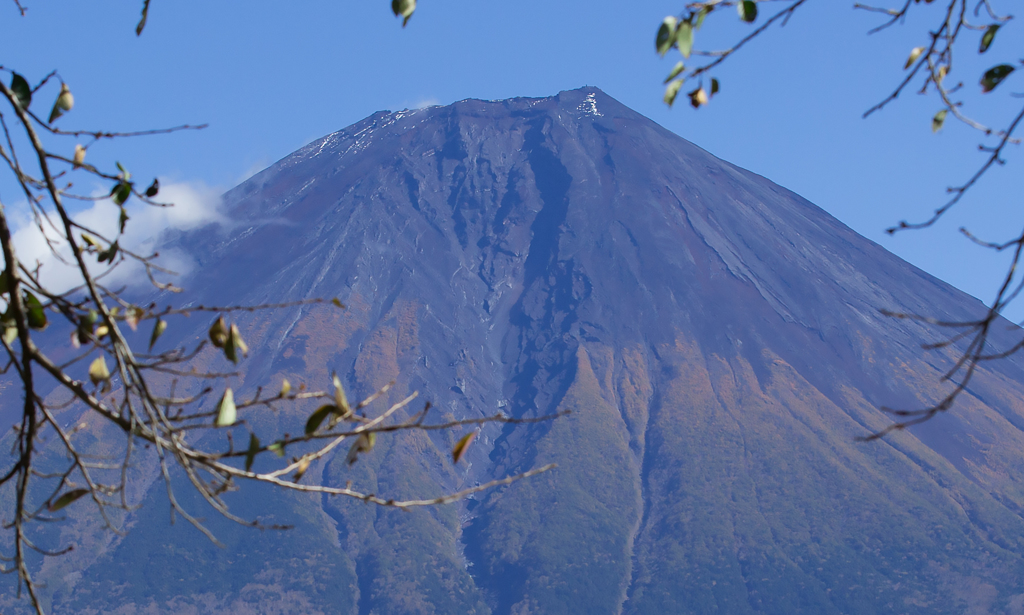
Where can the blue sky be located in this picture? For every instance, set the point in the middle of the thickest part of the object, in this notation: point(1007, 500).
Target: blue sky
point(269, 77)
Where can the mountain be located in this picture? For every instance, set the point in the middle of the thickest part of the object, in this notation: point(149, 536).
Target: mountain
point(716, 338)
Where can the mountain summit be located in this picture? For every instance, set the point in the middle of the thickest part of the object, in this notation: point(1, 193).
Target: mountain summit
point(716, 338)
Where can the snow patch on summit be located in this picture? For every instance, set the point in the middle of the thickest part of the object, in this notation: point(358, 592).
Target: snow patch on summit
point(589, 106)
point(353, 143)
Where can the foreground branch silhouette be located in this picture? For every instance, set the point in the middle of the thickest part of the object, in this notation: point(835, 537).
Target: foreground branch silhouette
point(929, 67)
point(156, 402)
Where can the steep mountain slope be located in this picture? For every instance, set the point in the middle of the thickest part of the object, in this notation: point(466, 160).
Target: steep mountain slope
point(716, 337)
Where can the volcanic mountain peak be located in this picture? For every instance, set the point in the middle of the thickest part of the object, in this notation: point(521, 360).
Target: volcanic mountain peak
point(716, 337)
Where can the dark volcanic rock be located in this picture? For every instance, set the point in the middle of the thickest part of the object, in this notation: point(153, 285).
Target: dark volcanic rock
point(716, 337)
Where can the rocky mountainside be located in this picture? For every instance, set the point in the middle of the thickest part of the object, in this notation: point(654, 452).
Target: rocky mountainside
point(716, 337)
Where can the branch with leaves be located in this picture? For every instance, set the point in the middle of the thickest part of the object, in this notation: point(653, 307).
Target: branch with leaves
point(679, 32)
point(150, 398)
point(957, 26)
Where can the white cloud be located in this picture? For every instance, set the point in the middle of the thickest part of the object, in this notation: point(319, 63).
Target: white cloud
point(255, 168)
point(423, 103)
point(194, 205)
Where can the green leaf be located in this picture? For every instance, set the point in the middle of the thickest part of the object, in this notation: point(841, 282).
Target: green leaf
point(227, 414)
point(698, 98)
point(701, 14)
point(65, 101)
point(231, 352)
point(340, 399)
point(994, 76)
point(672, 91)
point(90, 240)
point(122, 219)
point(80, 336)
point(55, 113)
point(939, 120)
point(85, 327)
point(10, 334)
point(98, 371)
point(915, 53)
point(158, 329)
point(460, 447)
point(363, 445)
point(67, 499)
point(714, 86)
point(109, 253)
point(301, 469)
point(747, 10)
point(237, 339)
point(250, 454)
point(142, 21)
point(277, 448)
point(22, 91)
point(666, 34)
point(403, 8)
point(120, 193)
point(337, 303)
point(684, 38)
point(315, 419)
point(35, 314)
point(133, 315)
point(235, 346)
point(219, 332)
point(286, 387)
point(987, 37)
point(153, 189)
point(678, 68)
